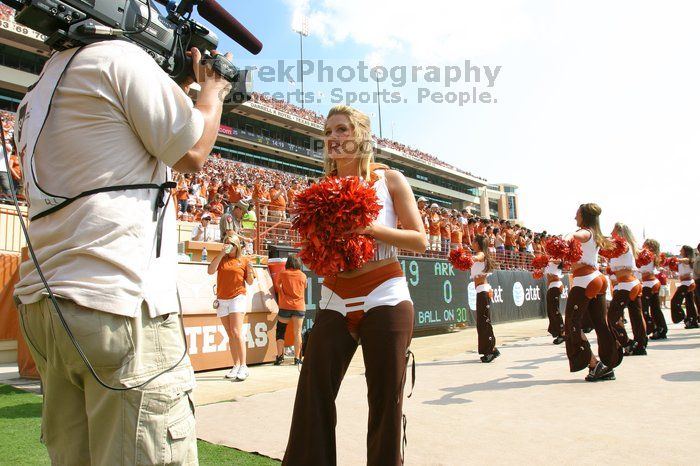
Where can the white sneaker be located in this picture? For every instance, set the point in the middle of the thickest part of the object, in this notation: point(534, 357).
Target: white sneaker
point(233, 373)
point(243, 373)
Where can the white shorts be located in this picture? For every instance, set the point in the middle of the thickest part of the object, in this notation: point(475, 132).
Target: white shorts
point(390, 293)
point(483, 288)
point(239, 304)
point(664, 290)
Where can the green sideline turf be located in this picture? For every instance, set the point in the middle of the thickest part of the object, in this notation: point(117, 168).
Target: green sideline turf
point(20, 422)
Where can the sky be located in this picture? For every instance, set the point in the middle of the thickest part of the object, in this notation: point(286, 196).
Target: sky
point(587, 101)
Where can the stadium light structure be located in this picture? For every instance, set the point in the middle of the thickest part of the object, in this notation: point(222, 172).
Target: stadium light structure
point(300, 25)
point(375, 67)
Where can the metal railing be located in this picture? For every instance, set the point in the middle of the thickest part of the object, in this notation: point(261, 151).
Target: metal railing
point(274, 228)
point(11, 236)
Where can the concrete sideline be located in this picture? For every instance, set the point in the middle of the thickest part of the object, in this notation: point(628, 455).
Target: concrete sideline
point(525, 407)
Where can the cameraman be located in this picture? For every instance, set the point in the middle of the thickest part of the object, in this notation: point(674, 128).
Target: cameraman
point(115, 119)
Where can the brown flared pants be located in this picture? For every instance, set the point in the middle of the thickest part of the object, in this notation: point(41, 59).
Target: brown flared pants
point(578, 348)
point(616, 312)
point(484, 329)
point(385, 333)
point(556, 322)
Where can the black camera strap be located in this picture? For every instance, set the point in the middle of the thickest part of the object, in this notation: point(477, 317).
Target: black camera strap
point(29, 132)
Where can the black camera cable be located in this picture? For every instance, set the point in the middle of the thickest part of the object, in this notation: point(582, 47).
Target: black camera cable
point(52, 297)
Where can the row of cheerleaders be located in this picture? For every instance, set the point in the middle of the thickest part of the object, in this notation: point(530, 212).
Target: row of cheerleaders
point(349, 236)
point(631, 272)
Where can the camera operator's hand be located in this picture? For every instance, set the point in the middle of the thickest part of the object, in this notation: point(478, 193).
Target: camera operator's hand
point(205, 75)
point(209, 102)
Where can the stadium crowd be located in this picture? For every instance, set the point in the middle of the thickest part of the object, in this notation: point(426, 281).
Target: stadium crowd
point(320, 119)
point(269, 195)
point(6, 13)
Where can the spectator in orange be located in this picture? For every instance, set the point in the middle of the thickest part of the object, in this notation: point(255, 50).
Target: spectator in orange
point(510, 237)
point(213, 189)
point(434, 221)
point(444, 232)
point(16, 172)
point(481, 227)
point(423, 211)
point(292, 193)
point(472, 229)
point(216, 206)
point(455, 233)
point(261, 196)
point(290, 285)
point(233, 272)
point(278, 202)
point(182, 194)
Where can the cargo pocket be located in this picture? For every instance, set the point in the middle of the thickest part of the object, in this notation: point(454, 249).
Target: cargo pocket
point(182, 441)
point(106, 339)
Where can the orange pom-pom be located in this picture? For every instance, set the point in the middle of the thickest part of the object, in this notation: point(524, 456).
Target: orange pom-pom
point(540, 262)
point(574, 252)
point(672, 263)
point(556, 247)
point(619, 247)
point(645, 257)
point(461, 259)
point(326, 214)
point(537, 274)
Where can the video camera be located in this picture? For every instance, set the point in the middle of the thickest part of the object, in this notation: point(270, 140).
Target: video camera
point(73, 23)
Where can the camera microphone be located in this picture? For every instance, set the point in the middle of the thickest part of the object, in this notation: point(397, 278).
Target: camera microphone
point(213, 12)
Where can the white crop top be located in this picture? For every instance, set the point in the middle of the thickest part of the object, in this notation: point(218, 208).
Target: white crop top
point(649, 268)
point(625, 261)
point(477, 269)
point(684, 269)
point(387, 216)
point(553, 269)
point(590, 252)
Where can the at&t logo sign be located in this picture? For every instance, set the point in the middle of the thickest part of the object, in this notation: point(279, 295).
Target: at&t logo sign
point(471, 296)
point(518, 294)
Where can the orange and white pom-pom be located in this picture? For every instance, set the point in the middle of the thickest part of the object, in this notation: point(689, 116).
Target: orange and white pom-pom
point(645, 257)
point(671, 263)
point(619, 247)
point(328, 214)
point(461, 259)
point(540, 262)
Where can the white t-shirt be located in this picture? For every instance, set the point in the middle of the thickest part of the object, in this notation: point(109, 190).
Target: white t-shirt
point(116, 119)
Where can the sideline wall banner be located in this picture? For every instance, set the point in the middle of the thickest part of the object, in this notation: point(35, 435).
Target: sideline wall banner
point(443, 296)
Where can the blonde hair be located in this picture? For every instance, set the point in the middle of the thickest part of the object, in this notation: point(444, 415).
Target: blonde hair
point(590, 216)
point(654, 247)
point(360, 124)
point(626, 233)
point(235, 241)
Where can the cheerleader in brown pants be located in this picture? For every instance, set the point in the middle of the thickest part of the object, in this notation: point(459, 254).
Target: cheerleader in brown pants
point(483, 264)
point(371, 304)
point(627, 293)
point(684, 291)
point(555, 286)
point(588, 294)
point(651, 305)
